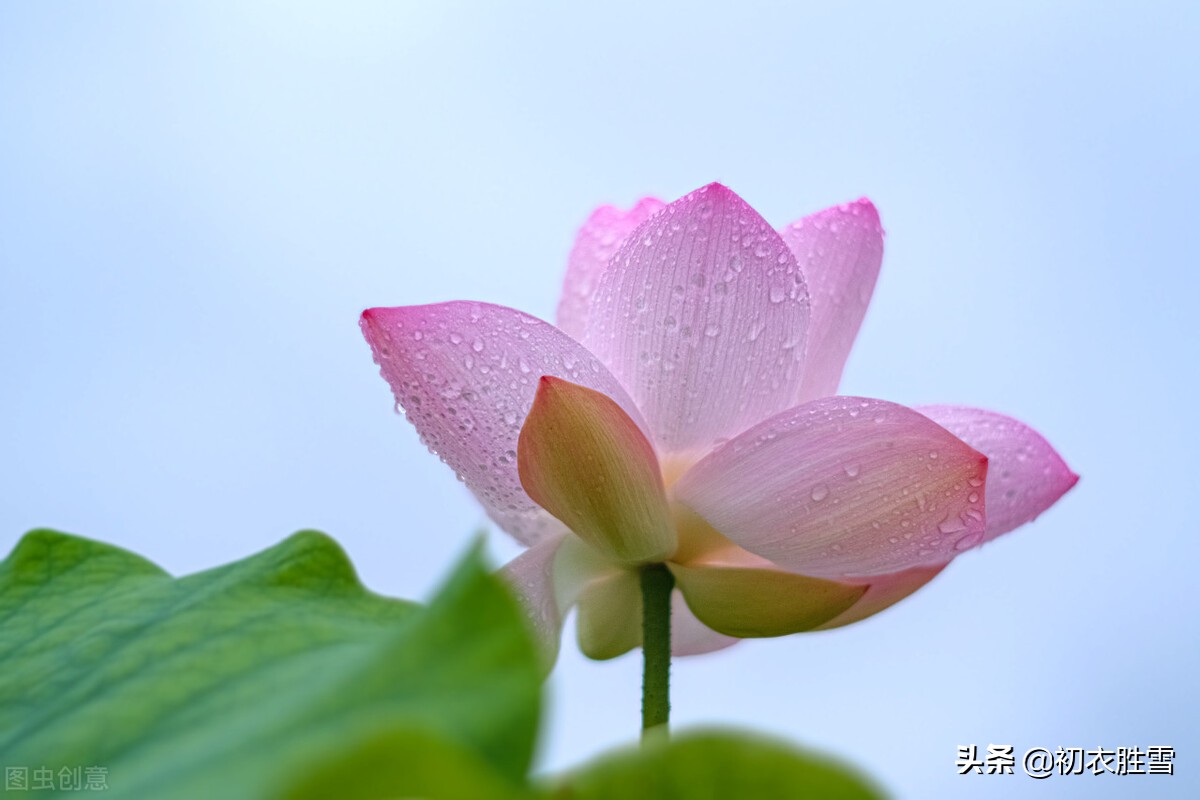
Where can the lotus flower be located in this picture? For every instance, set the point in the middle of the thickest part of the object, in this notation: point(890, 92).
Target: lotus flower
point(684, 410)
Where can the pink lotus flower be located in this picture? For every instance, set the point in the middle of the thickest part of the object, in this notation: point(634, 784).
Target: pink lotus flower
point(684, 410)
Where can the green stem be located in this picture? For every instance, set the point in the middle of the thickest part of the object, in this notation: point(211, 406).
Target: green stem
point(657, 583)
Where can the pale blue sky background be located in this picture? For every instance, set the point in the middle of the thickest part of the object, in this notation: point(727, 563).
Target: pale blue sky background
point(196, 201)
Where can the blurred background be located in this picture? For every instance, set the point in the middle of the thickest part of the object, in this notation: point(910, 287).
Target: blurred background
point(197, 200)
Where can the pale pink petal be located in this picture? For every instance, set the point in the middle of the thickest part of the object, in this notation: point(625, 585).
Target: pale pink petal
point(609, 621)
point(757, 602)
point(595, 244)
point(583, 459)
point(531, 575)
point(843, 487)
point(576, 567)
point(465, 375)
point(690, 636)
point(883, 592)
point(610, 599)
point(1026, 475)
point(702, 316)
point(839, 250)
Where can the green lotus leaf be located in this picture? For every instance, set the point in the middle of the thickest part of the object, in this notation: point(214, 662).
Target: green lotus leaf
point(259, 679)
point(713, 765)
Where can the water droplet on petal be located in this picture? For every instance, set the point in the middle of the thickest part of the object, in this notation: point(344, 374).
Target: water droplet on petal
point(951, 525)
point(968, 541)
